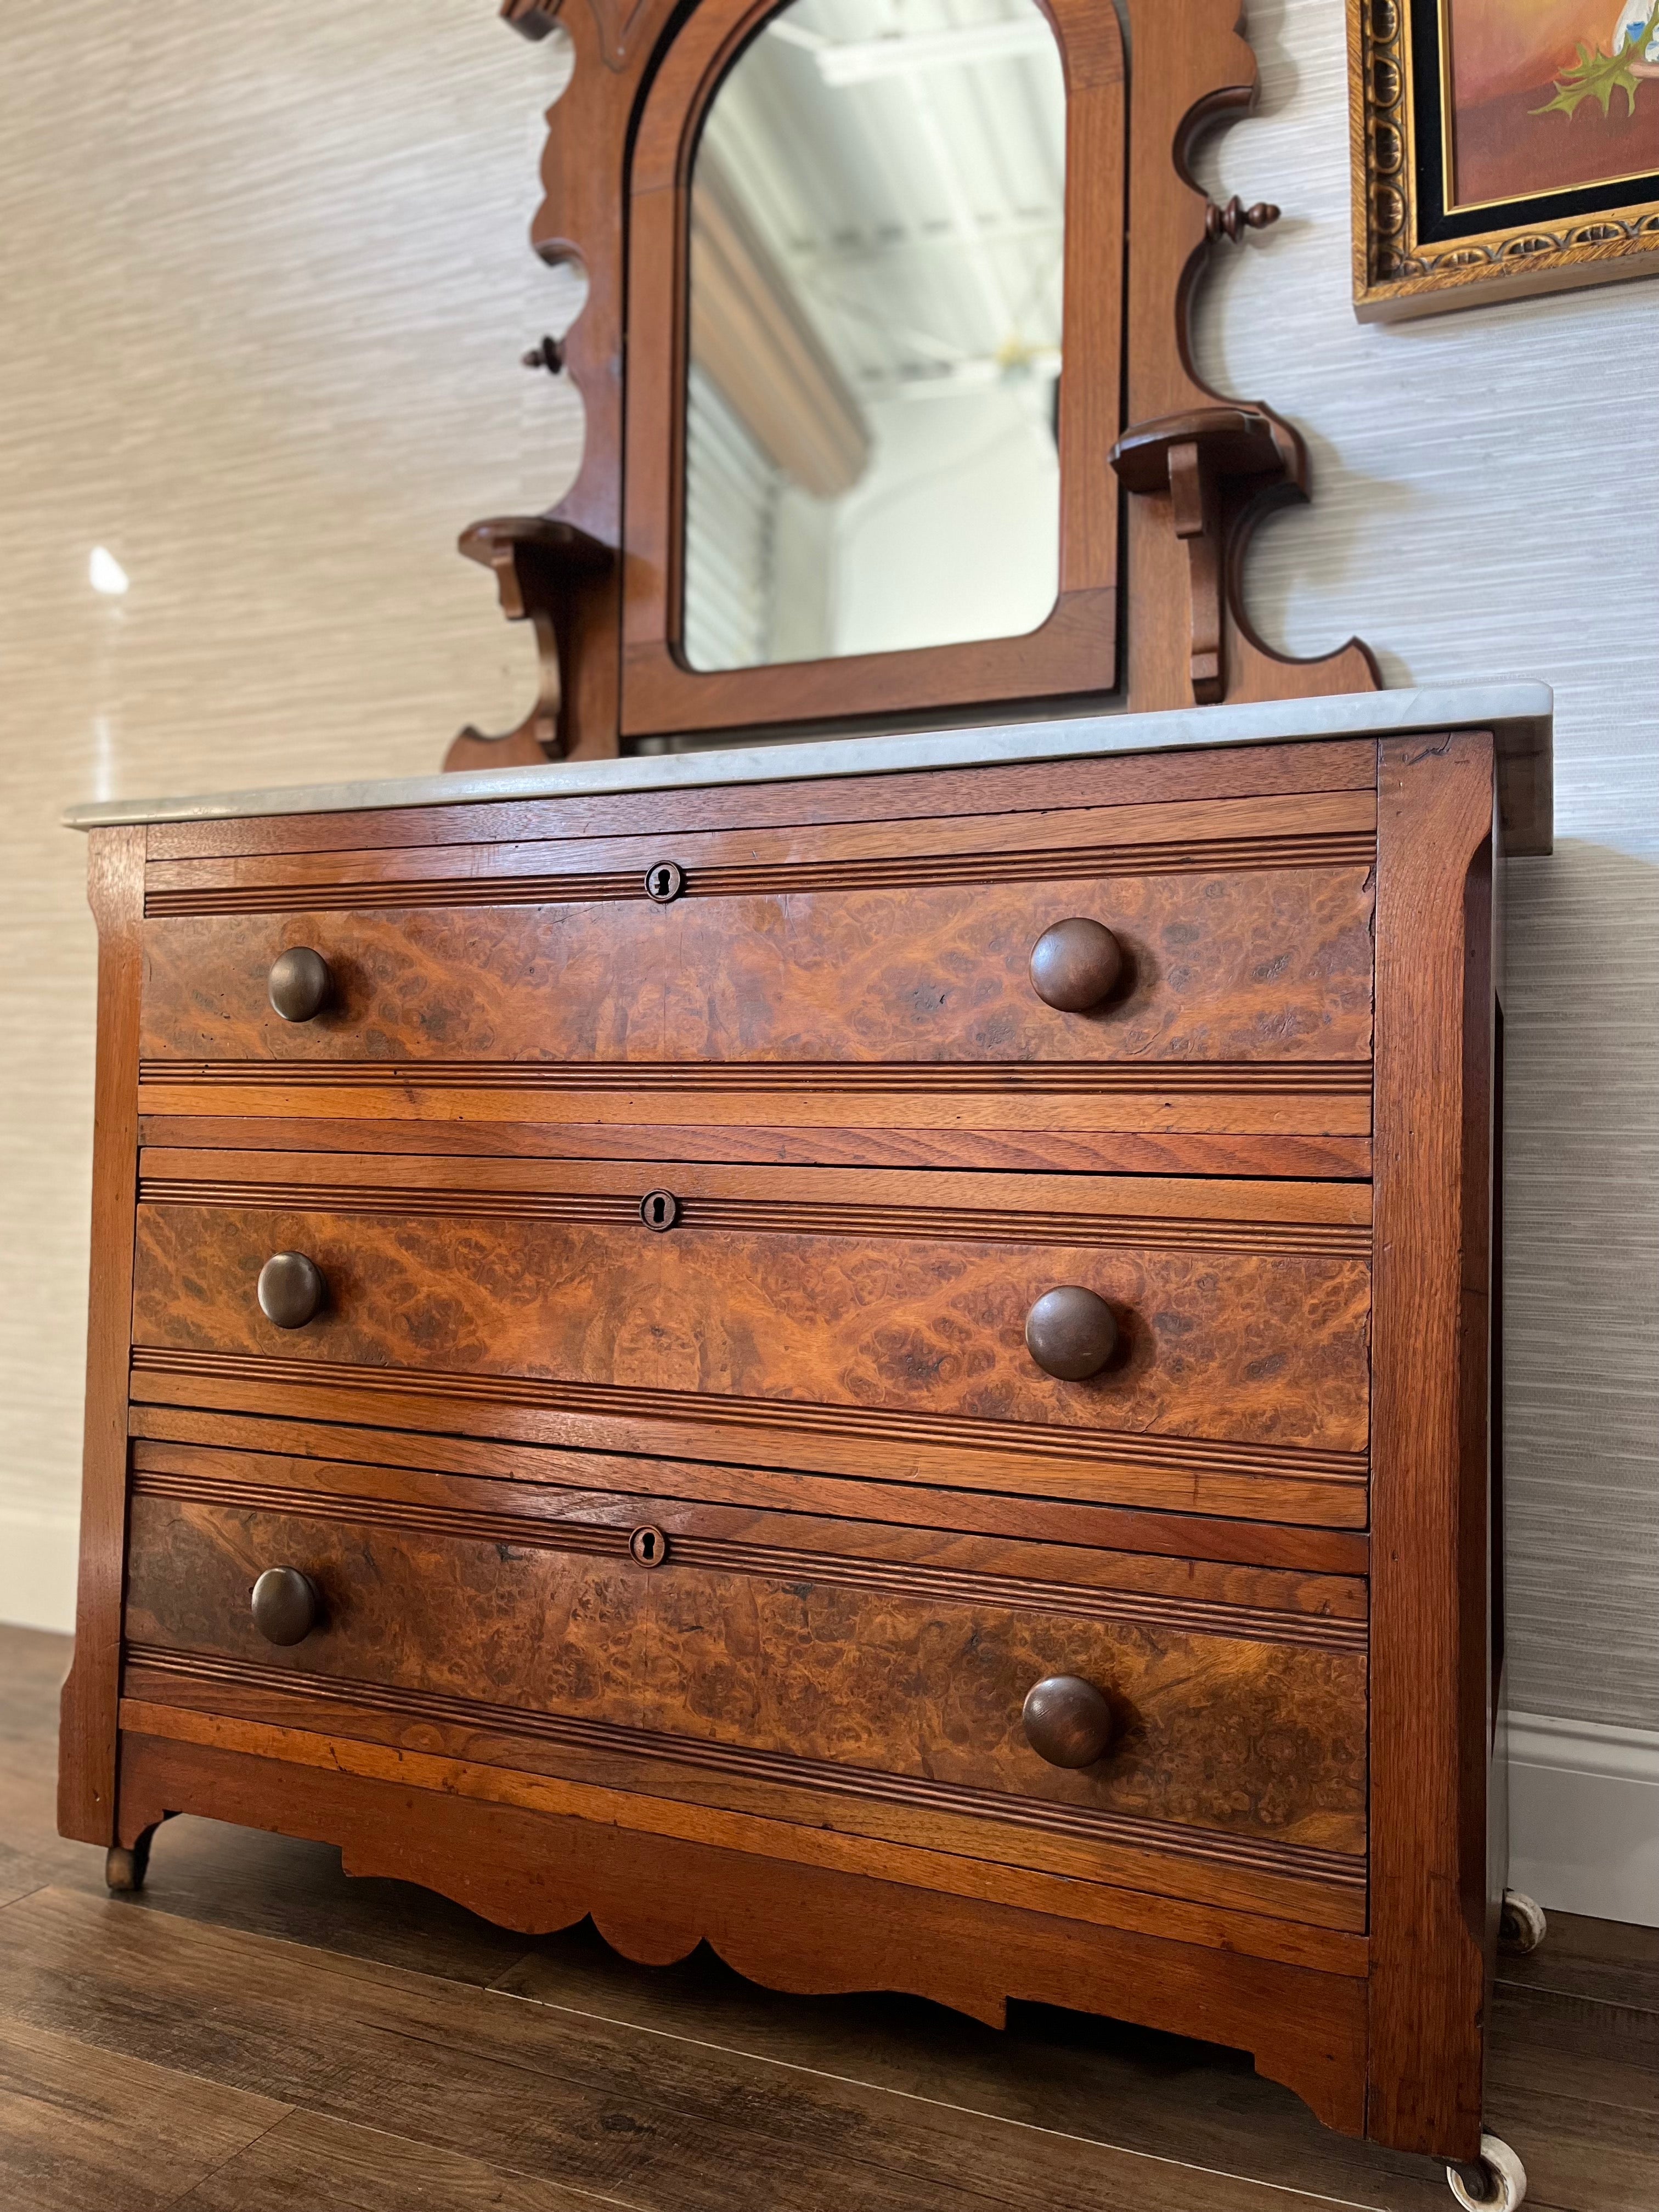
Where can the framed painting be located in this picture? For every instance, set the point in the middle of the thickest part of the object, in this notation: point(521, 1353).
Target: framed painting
point(1501, 147)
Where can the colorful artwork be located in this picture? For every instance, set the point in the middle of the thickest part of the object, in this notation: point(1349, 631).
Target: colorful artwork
point(1506, 146)
point(1548, 95)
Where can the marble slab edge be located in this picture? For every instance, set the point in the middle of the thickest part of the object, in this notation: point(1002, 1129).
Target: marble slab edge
point(1519, 714)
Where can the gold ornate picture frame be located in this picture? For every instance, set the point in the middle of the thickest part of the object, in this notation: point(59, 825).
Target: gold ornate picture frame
point(1500, 147)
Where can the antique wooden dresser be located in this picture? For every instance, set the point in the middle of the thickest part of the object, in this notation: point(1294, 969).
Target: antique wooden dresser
point(889, 1366)
point(881, 1349)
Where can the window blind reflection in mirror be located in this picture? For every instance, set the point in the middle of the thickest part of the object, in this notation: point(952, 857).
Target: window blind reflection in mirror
point(876, 258)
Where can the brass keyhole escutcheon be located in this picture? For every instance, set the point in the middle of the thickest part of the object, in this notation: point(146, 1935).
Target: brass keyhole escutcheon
point(659, 1209)
point(648, 1546)
point(664, 880)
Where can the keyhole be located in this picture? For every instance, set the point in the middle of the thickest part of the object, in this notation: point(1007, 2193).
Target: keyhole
point(648, 1546)
point(659, 1209)
point(664, 880)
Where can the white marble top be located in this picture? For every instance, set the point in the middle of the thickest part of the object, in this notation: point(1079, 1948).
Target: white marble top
point(1519, 713)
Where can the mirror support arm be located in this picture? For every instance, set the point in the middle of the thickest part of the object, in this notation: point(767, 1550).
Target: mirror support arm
point(542, 567)
point(1216, 466)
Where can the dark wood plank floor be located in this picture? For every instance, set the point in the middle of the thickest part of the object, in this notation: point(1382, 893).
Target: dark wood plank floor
point(256, 2034)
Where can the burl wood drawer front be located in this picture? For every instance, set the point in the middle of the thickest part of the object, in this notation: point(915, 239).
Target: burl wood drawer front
point(816, 1683)
point(1244, 928)
point(868, 1322)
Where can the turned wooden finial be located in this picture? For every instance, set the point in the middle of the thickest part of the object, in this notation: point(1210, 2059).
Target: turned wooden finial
point(548, 354)
point(1235, 219)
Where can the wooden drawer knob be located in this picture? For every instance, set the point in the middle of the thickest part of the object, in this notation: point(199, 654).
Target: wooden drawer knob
point(291, 1290)
point(287, 1604)
point(1075, 965)
point(1070, 1333)
point(301, 984)
point(1068, 1722)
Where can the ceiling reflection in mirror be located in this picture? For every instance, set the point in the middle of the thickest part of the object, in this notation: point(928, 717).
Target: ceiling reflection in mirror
point(877, 246)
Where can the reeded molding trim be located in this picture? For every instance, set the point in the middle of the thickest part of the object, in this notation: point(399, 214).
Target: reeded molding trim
point(1348, 1078)
point(1184, 1457)
point(793, 878)
point(723, 1555)
point(1295, 1861)
point(794, 1218)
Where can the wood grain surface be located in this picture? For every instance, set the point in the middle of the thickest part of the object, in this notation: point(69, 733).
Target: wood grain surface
point(1030, 1150)
point(115, 2018)
point(713, 1517)
point(1246, 1738)
point(1268, 965)
point(82, 2130)
point(1252, 1347)
point(323, 1455)
point(1151, 1474)
point(1346, 764)
point(1273, 1900)
point(1241, 1212)
point(86, 1791)
point(1432, 1714)
point(461, 2067)
point(1203, 43)
point(1190, 835)
point(825, 1106)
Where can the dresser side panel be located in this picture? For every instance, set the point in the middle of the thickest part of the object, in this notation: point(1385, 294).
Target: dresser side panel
point(86, 1800)
point(1428, 1447)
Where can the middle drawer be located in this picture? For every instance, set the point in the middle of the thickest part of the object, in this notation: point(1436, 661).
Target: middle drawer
point(847, 1320)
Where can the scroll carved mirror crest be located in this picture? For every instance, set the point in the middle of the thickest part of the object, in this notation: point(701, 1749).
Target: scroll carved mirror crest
point(887, 413)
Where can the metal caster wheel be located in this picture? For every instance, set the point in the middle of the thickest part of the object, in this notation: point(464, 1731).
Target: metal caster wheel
point(124, 1870)
point(1498, 2182)
point(1522, 1927)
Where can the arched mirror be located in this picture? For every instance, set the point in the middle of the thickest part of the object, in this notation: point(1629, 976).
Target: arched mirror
point(876, 300)
point(864, 236)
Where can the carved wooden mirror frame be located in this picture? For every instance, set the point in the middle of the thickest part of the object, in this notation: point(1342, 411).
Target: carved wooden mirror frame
point(1076, 648)
point(1150, 602)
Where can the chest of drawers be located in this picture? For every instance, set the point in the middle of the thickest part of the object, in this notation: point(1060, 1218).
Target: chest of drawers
point(889, 1367)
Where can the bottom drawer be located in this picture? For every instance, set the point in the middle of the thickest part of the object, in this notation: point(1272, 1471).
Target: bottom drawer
point(846, 1674)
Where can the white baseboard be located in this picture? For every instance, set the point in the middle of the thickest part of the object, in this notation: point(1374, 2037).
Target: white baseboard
point(1584, 1817)
point(37, 1571)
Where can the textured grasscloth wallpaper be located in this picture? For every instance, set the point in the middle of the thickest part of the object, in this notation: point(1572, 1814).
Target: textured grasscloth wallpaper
point(1487, 504)
point(265, 287)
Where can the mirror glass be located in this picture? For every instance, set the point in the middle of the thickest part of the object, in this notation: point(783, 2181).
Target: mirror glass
point(877, 234)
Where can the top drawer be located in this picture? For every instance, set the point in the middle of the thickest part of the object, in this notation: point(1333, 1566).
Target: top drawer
point(1244, 928)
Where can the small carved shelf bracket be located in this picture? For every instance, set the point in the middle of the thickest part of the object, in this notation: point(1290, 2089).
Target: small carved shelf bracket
point(1213, 463)
point(542, 569)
